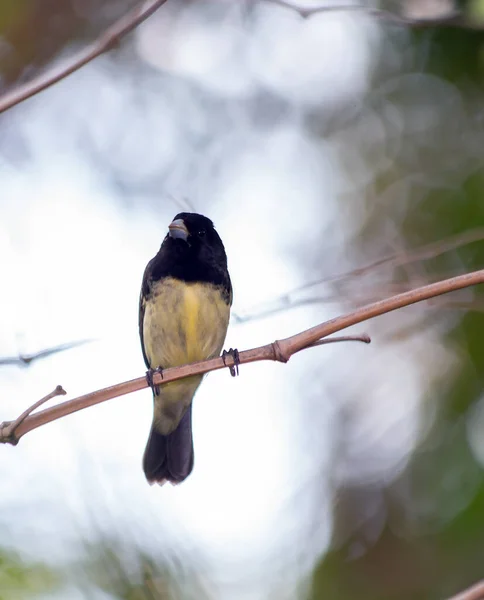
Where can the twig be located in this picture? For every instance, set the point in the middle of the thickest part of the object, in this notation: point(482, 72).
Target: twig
point(280, 350)
point(426, 252)
point(283, 304)
point(137, 15)
point(451, 19)
point(24, 360)
point(476, 592)
point(364, 337)
point(109, 38)
point(8, 430)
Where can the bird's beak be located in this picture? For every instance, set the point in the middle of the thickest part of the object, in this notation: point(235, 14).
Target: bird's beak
point(178, 230)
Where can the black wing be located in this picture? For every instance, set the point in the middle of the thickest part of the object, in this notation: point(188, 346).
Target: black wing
point(144, 295)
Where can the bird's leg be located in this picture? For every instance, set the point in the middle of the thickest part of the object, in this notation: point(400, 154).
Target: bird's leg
point(149, 378)
point(234, 353)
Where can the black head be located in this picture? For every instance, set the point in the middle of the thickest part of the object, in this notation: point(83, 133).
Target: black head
point(192, 250)
point(192, 228)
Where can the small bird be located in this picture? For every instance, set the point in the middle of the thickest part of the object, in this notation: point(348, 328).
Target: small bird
point(184, 313)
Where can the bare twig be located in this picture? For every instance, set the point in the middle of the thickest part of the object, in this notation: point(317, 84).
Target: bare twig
point(426, 252)
point(24, 360)
point(9, 430)
point(376, 293)
point(109, 38)
point(137, 15)
point(451, 19)
point(476, 592)
point(393, 260)
point(364, 337)
point(280, 350)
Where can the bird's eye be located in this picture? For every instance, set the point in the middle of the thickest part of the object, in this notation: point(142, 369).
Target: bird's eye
point(201, 233)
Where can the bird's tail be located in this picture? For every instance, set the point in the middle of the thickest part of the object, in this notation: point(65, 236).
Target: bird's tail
point(170, 457)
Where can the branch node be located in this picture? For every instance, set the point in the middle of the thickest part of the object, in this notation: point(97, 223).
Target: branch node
point(7, 433)
point(279, 354)
point(8, 429)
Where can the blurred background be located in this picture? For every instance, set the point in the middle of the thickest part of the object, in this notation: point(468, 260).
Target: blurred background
point(341, 159)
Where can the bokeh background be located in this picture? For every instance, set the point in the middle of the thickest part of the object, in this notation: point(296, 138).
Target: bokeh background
point(342, 159)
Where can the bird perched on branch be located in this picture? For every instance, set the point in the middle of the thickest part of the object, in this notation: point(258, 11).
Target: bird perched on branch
point(184, 312)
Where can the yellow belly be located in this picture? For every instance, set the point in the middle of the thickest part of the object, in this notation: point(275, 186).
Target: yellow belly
point(183, 322)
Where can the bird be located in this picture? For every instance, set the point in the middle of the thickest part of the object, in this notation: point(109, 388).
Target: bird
point(184, 311)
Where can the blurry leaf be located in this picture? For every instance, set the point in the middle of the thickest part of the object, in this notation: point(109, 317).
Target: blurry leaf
point(475, 11)
point(19, 580)
point(129, 573)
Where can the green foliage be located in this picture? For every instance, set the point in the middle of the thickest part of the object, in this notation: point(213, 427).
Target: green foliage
point(21, 580)
point(127, 572)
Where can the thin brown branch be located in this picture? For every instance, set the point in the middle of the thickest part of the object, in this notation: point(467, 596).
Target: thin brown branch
point(363, 337)
point(475, 592)
point(9, 430)
point(451, 19)
point(394, 260)
point(24, 360)
point(278, 306)
point(107, 40)
point(140, 13)
point(299, 341)
point(280, 350)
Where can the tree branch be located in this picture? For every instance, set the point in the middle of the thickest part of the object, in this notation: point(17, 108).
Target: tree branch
point(137, 15)
point(108, 39)
point(475, 592)
point(452, 19)
point(392, 261)
point(8, 430)
point(280, 350)
point(24, 360)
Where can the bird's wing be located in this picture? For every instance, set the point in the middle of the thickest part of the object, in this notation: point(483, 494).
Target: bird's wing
point(231, 290)
point(145, 290)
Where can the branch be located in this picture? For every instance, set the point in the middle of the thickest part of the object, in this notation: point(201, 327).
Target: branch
point(280, 350)
point(365, 338)
point(24, 360)
point(9, 430)
point(107, 40)
point(451, 19)
point(476, 592)
point(422, 253)
point(111, 36)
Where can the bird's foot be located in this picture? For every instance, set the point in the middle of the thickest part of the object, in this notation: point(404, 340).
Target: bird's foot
point(234, 354)
point(149, 379)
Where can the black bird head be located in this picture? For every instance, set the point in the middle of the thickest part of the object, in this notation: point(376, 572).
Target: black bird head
point(193, 250)
point(192, 228)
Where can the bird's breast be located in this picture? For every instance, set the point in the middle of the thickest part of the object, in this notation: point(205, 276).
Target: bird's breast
point(184, 322)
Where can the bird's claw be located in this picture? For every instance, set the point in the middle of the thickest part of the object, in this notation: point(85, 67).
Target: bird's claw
point(234, 354)
point(149, 379)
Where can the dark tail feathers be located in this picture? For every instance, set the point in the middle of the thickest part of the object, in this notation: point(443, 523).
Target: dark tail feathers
point(170, 457)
